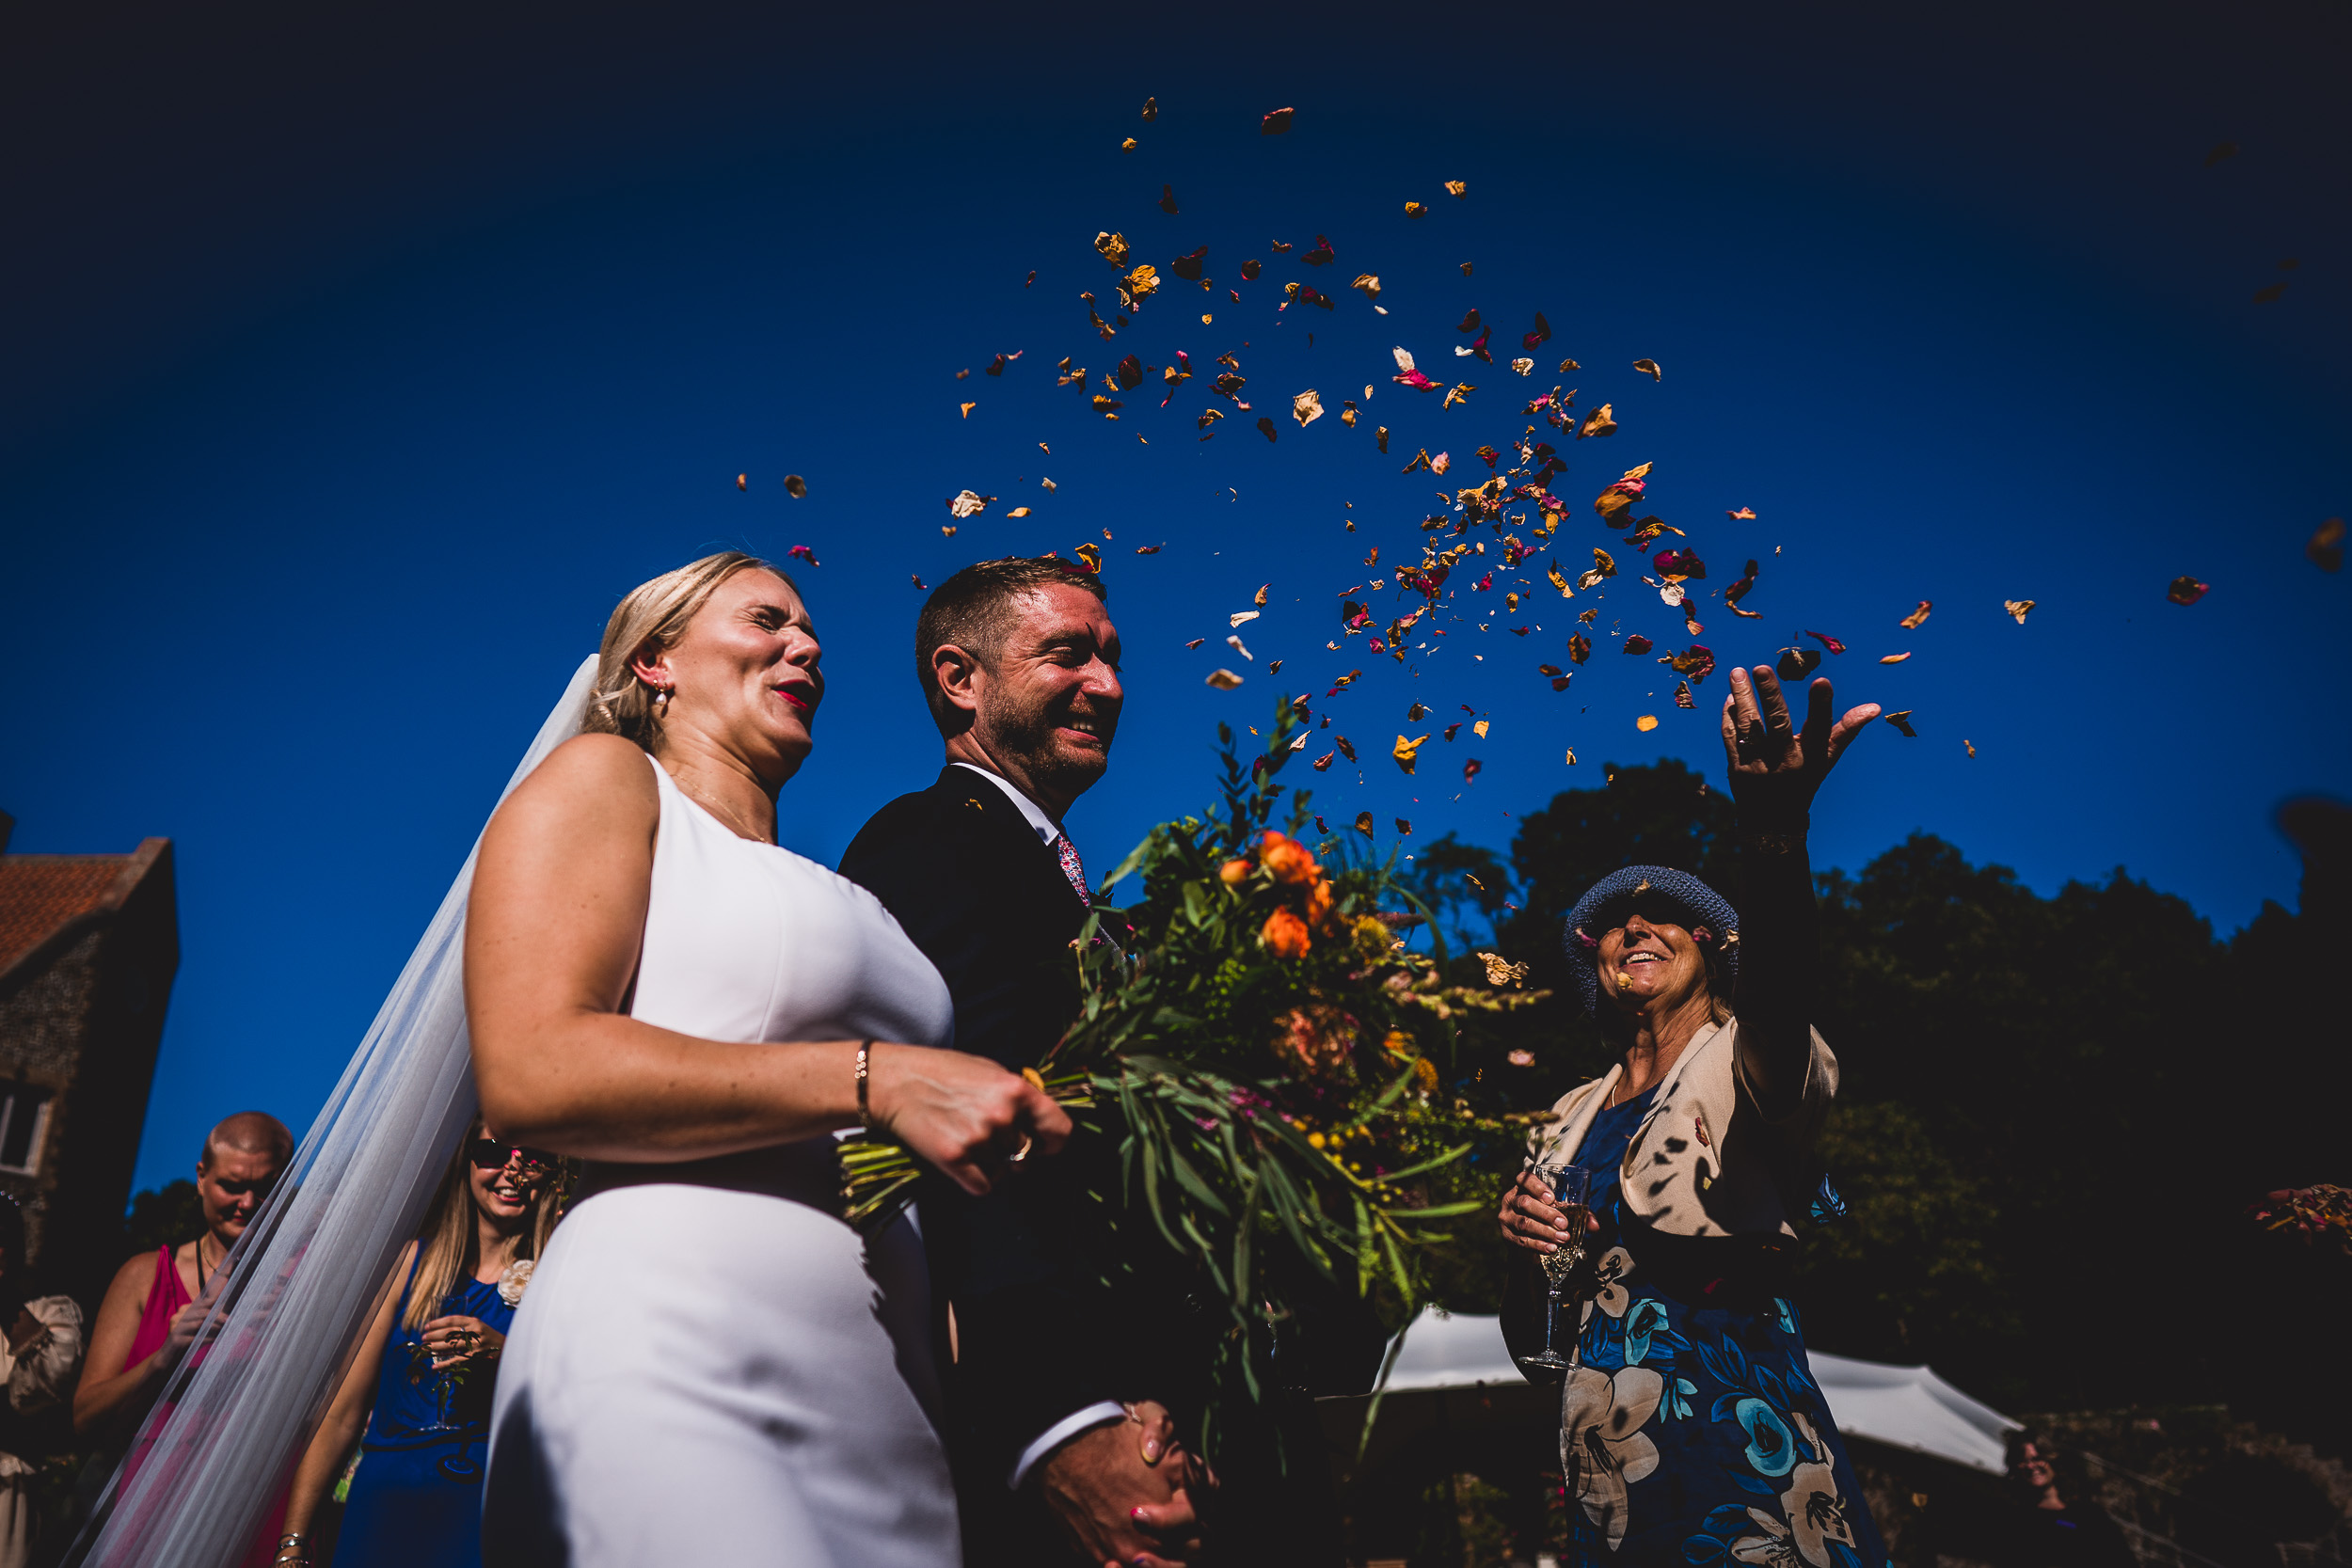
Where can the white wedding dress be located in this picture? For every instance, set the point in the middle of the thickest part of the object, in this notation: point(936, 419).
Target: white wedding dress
point(708, 1367)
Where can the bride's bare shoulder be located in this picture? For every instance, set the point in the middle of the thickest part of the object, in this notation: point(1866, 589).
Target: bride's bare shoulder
point(589, 776)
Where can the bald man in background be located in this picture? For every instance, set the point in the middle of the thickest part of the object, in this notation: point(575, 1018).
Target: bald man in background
point(157, 1301)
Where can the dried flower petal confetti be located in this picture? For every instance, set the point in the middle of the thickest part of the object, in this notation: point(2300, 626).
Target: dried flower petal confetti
point(1893, 658)
point(1646, 723)
point(1648, 368)
point(1307, 407)
point(2019, 609)
point(2186, 591)
point(2325, 546)
point(1224, 680)
point(1918, 617)
point(1275, 123)
point(795, 486)
point(1903, 722)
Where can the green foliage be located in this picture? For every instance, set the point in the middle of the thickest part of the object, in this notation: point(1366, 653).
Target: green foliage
point(2050, 1106)
point(162, 1218)
point(1461, 883)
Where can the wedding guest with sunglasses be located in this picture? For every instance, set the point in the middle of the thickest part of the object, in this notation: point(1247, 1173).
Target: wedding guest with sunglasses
point(427, 1364)
point(1692, 1428)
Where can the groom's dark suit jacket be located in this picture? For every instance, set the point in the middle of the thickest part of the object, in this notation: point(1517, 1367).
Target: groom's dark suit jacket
point(1039, 1337)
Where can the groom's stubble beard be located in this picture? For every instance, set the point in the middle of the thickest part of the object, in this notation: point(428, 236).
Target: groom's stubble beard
point(1022, 727)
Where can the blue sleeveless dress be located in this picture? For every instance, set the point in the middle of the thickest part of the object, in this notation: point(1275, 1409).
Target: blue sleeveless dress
point(1702, 1439)
point(415, 1500)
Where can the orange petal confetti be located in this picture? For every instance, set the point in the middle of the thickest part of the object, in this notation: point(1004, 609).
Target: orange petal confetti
point(968, 409)
point(1479, 729)
point(1367, 284)
point(1127, 146)
point(946, 531)
point(1893, 658)
point(1017, 511)
point(1745, 515)
point(1415, 209)
point(1150, 549)
point(1918, 617)
point(1307, 407)
point(795, 486)
point(1150, 110)
point(2018, 608)
point(1093, 555)
point(1599, 423)
point(1113, 248)
point(1457, 189)
point(1649, 368)
point(742, 482)
point(1224, 680)
point(1645, 723)
point(1363, 823)
point(1972, 749)
point(1571, 756)
point(1462, 389)
point(1276, 122)
point(2186, 590)
point(2326, 547)
point(1579, 648)
point(1903, 722)
point(1402, 750)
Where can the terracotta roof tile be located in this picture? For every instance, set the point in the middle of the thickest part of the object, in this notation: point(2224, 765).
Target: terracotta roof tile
point(40, 893)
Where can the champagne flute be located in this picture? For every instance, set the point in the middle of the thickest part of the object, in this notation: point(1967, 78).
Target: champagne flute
point(1571, 1190)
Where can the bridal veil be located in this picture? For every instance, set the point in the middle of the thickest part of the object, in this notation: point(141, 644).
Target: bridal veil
point(294, 1294)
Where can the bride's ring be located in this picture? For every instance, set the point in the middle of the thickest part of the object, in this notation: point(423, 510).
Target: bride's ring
point(1022, 1153)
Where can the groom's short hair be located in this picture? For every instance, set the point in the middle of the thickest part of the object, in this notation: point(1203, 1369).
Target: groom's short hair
point(975, 608)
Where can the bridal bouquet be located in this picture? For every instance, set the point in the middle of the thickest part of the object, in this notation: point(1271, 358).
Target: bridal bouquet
point(1278, 1061)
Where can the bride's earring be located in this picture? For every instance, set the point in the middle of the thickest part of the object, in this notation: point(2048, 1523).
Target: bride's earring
point(661, 699)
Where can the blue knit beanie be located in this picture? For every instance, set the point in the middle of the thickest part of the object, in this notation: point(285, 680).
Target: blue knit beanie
point(1696, 907)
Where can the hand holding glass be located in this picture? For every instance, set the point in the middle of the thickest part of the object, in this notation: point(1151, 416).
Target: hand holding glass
point(1571, 1188)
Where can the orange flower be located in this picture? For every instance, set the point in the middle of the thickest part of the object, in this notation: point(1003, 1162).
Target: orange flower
point(1232, 872)
point(1289, 860)
point(1285, 934)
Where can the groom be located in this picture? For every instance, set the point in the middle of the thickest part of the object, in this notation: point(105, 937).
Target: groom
point(1054, 1378)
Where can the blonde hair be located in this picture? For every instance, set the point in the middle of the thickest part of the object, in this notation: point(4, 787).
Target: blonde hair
point(652, 618)
point(445, 1243)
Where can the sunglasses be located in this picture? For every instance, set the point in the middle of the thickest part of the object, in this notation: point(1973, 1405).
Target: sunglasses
point(489, 1154)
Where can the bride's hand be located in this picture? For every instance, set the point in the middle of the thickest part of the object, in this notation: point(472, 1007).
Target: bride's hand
point(962, 1112)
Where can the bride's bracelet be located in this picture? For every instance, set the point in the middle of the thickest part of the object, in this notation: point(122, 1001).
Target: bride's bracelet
point(864, 1104)
point(294, 1548)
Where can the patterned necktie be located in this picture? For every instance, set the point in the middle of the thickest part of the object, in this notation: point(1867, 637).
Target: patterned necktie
point(1071, 869)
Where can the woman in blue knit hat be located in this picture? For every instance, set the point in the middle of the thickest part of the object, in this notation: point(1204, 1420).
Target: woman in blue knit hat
point(1693, 1432)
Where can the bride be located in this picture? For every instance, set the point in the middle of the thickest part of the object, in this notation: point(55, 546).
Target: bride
point(709, 1366)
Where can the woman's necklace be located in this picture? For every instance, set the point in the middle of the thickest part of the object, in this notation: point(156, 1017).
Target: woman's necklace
point(203, 1271)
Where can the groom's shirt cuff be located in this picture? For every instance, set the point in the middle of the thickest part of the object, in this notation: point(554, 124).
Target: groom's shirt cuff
point(1063, 1431)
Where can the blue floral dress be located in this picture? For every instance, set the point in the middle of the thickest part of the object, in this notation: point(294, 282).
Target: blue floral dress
point(416, 1499)
point(1693, 1432)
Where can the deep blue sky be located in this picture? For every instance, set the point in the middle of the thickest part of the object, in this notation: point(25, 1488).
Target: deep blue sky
point(353, 368)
